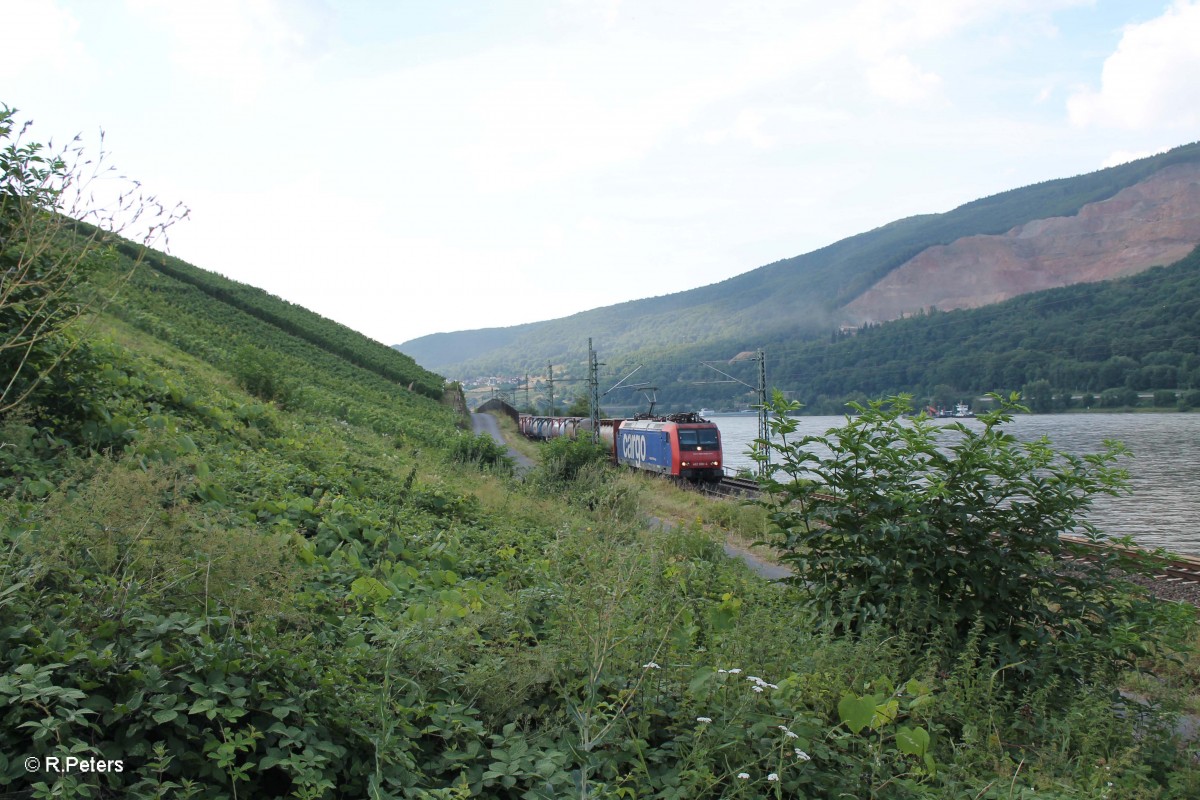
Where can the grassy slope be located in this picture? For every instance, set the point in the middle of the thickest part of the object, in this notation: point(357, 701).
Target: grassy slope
point(314, 599)
point(296, 321)
point(275, 567)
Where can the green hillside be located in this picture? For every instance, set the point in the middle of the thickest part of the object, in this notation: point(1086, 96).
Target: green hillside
point(1110, 341)
point(278, 314)
point(241, 558)
point(794, 297)
point(1138, 334)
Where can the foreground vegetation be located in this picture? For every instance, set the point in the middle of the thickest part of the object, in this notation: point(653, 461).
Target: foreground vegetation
point(243, 565)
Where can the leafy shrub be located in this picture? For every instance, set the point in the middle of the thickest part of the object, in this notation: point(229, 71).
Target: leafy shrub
point(1189, 400)
point(939, 529)
point(578, 471)
point(257, 373)
point(1164, 397)
point(1118, 398)
point(482, 450)
point(563, 459)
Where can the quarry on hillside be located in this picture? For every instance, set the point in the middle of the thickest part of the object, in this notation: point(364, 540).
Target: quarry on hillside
point(1154, 222)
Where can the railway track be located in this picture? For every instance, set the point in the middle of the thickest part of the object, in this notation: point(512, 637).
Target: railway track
point(1169, 576)
point(732, 487)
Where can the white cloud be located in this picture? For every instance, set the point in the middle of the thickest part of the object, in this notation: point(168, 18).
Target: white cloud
point(237, 46)
point(1150, 81)
point(896, 43)
point(511, 118)
point(898, 80)
point(747, 126)
point(769, 126)
point(40, 38)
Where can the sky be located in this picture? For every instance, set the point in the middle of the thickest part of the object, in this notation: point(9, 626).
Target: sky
point(408, 167)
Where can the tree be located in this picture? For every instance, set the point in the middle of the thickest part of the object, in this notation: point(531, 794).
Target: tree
point(951, 531)
point(1118, 398)
point(1039, 396)
point(53, 237)
point(1113, 371)
point(580, 407)
point(1164, 397)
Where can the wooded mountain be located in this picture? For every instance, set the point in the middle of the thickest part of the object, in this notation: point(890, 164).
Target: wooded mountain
point(1105, 224)
point(1118, 343)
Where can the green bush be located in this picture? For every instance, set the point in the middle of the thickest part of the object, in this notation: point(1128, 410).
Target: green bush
point(258, 373)
point(1189, 400)
point(1118, 398)
point(54, 240)
point(563, 459)
point(1164, 398)
point(942, 529)
point(482, 450)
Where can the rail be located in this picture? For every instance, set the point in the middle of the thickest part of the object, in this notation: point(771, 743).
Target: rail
point(1169, 575)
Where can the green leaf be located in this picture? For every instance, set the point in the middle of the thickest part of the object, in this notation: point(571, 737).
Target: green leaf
point(281, 712)
point(202, 705)
point(165, 716)
point(856, 712)
point(912, 741)
point(885, 713)
point(370, 589)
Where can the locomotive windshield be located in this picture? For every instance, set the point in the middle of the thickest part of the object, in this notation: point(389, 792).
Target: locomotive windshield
point(698, 439)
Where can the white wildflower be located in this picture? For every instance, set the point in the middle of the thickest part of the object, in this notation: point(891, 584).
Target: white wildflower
point(803, 756)
point(722, 671)
point(703, 719)
point(735, 671)
point(773, 777)
point(743, 775)
point(650, 665)
point(791, 735)
point(757, 689)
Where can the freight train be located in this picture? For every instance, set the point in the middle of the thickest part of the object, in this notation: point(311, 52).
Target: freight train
point(683, 446)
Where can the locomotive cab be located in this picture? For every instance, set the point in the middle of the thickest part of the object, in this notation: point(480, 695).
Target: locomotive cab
point(700, 452)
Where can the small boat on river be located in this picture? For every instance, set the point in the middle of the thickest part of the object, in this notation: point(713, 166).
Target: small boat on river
point(961, 411)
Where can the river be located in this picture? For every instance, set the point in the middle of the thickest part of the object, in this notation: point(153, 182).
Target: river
point(1164, 473)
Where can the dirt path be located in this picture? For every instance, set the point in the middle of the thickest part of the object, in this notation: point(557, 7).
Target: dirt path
point(486, 423)
point(772, 572)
